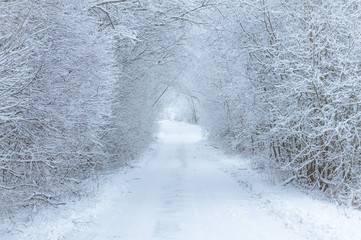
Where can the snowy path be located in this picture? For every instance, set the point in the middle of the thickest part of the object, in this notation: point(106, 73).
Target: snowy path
point(182, 194)
point(186, 190)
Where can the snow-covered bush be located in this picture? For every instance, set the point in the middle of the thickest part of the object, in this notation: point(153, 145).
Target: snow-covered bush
point(71, 107)
point(286, 85)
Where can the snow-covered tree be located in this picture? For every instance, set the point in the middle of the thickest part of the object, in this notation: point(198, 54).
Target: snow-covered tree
point(286, 87)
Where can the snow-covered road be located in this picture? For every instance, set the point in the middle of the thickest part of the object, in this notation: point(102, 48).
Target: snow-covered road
point(184, 189)
point(182, 194)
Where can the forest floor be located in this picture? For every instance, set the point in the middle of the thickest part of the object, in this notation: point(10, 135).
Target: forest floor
point(185, 189)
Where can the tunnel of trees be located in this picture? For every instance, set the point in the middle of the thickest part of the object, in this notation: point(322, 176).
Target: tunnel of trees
point(83, 83)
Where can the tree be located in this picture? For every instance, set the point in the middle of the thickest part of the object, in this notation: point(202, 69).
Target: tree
point(293, 92)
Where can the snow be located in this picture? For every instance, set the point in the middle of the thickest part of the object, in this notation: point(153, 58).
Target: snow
point(182, 188)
